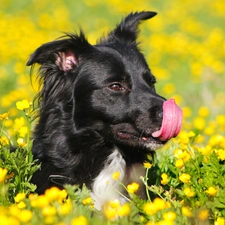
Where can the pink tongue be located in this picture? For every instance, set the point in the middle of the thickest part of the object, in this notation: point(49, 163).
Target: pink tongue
point(172, 120)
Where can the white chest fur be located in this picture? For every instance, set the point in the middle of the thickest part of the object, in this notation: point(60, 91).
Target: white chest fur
point(105, 188)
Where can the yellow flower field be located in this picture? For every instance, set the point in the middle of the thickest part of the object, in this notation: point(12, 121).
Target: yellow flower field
point(185, 48)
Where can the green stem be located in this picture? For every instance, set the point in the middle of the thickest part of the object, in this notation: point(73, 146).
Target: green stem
point(2, 126)
point(29, 153)
point(124, 196)
point(146, 185)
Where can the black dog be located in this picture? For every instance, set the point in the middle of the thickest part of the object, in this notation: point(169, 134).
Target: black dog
point(98, 111)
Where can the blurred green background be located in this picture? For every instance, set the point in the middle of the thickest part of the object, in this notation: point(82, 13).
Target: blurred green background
point(184, 45)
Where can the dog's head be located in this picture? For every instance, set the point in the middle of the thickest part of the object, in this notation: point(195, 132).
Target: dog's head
point(107, 87)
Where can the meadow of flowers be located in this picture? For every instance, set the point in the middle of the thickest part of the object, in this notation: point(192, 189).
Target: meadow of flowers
point(185, 48)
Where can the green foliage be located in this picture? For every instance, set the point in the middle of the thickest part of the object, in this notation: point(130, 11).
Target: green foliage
point(186, 185)
point(20, 169)
point(19, 163)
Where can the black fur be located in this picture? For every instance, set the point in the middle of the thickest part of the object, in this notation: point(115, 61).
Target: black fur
point(93, 99)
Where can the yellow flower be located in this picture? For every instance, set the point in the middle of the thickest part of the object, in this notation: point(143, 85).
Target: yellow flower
point(116, 175)
point(203, 111)
point(65, 208)
point(216, 139)
point(87, 201)
point(23, 131)
point(171, 216)
point(186, 156)
point(49, 220)
point(220, 119)
point(22, 105)
point(203, 214)
point(41, 202)
point(211, 191)
point(220, 154)
point(80, 220)
point(220, 221)
point(21, 142)
point(184, 177)
point(199, 123)
point(191, 133)
point(3, 173)
point(160, 204)
point(132, 188)
point(32, 196)
point(210, 129)
point(25, 216)
point(49, 211)
point(142, 219)
point(124, 210)
point(207, 150)
point(186, 112)
point(165, 179)
point(10, 221)
point(199, 139)
point(19, 122)
point(4, 140)
point(4, 116)
point(14, 210)
point(186, 211)
point(169, 88)
point(63, 195)
point(53, 194)
point(115, 204)
point(183, 138)
point(113, 209)
point(179, 163)
point(109, 212)
point(182, 154)
point(19, 197)
point(165, 222)
point(21, 205)
point(147, 165)
point(149, 209)
point(188, 192)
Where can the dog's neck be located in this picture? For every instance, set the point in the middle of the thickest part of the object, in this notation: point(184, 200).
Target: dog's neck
point(105, 188)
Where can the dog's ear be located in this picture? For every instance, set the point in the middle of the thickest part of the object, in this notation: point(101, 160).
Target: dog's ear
point(127, 30)
point(63, 53)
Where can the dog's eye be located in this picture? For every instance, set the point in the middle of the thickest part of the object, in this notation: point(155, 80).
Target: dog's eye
point(116, 87)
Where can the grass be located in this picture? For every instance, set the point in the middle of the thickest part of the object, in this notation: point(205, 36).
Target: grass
point(184, 46)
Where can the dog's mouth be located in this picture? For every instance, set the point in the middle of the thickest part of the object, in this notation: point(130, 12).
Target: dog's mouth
point(140, 140)
point(153, 139)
